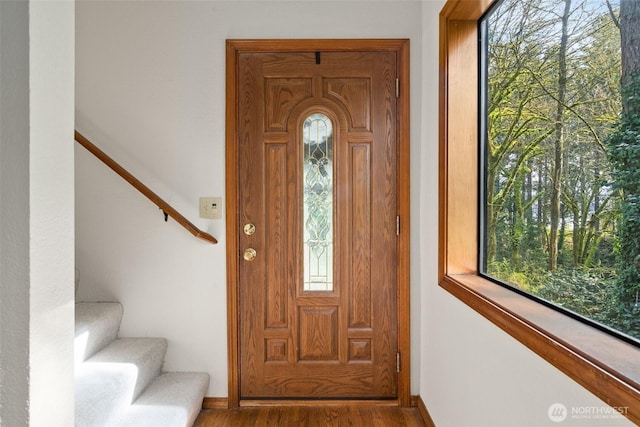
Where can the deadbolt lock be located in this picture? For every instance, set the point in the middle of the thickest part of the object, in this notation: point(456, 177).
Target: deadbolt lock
point(250, 254)
point(249, 229)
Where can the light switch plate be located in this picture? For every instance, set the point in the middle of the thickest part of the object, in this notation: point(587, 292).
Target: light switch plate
point(211, 207)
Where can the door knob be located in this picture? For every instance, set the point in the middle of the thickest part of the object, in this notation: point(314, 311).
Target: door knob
point(250, 254)
point(249, 229)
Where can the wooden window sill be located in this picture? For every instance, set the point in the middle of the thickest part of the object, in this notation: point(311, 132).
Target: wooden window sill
point(602, 363)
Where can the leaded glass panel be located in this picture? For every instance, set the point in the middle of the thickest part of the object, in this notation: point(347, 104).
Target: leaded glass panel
point(318, 203)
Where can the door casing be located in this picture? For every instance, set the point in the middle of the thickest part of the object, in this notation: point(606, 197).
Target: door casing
point(233, 49)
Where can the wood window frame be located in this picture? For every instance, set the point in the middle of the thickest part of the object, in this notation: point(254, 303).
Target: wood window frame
point(233, 49)
point(606, 366)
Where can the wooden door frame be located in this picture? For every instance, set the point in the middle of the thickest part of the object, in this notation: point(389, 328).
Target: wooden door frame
point(233, 49)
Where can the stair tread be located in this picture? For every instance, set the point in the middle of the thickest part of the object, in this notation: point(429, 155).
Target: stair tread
point(96, 325)
point(173, 399)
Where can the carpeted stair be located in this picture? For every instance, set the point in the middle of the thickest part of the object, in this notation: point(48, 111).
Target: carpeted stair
point(119, 381)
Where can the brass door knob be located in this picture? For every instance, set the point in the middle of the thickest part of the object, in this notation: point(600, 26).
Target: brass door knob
point(249, 229)
point(250, 254)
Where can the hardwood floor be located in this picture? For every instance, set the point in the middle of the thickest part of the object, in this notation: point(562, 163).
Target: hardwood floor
point(302, 416)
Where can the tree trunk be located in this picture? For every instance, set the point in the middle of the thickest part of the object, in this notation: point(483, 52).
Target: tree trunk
point(490, 220)
point(558, 172)
point(627, 142)
point(542, 217)
point(629, 40)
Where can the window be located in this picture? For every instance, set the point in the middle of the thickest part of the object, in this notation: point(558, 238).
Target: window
point(602, 363)
point(552, 208)
point(317, 161)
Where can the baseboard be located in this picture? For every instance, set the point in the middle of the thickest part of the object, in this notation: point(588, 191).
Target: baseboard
point(215, 403)
point(422, 408)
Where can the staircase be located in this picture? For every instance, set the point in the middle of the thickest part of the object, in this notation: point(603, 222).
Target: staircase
point(119, 381)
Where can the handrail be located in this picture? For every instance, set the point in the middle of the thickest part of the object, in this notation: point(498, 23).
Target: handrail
point(166, 207)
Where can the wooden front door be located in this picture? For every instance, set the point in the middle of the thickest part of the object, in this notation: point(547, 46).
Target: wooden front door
point(317, 212)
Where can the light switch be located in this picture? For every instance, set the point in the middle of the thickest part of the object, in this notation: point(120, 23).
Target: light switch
point(211, 207)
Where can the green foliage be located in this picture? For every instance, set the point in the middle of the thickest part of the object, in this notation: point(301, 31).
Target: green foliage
point(528, 278)
point(592, 293)
point(589, 292)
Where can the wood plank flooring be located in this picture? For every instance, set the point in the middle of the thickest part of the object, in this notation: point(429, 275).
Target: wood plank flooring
point(301, 416)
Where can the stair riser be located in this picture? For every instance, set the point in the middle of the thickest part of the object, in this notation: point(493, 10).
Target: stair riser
point(97, 325)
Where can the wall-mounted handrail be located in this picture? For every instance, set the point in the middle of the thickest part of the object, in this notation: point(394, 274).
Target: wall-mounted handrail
point(166, 207)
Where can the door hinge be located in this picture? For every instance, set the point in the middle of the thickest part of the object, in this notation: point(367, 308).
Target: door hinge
point(397, 87)
point(397, 225)
point(398, 362)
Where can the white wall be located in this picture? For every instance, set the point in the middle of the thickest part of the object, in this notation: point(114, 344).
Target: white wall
point(51, 208)
point(150, 91)
point(14, 223)
point(472, 373)
point(36, 213)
